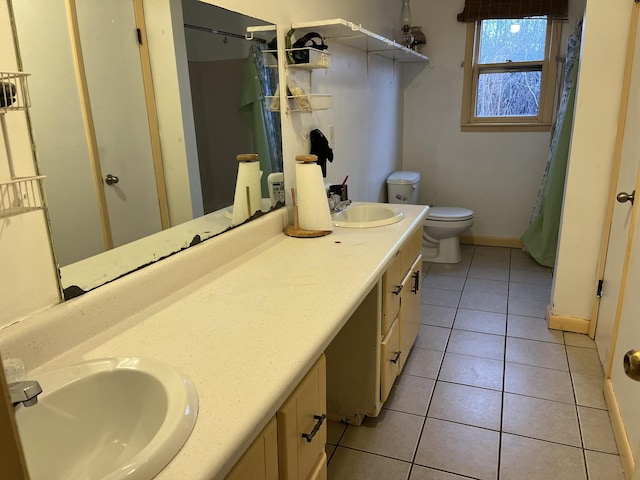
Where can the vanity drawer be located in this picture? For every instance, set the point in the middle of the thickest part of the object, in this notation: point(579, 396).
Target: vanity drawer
point(302, 426)
point(389, 359)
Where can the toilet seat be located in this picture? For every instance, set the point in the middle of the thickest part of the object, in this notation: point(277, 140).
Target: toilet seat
point(449, 214)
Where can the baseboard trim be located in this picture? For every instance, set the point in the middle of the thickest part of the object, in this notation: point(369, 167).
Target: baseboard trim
point(566, 323)
point(491, 241)
point(619, 432)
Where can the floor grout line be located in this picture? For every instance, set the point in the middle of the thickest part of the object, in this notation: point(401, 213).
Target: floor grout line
point(412, 463)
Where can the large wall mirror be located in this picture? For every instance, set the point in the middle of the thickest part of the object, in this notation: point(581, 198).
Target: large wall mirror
point(139, 109)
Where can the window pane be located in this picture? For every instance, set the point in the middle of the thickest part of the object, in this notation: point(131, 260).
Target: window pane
point(518, 40)
point(508, 94)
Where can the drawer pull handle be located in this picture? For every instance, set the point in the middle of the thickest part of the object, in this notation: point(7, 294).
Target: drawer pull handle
point(309, 436)
point(416, 283)
point(397, 290)
point(397, 357)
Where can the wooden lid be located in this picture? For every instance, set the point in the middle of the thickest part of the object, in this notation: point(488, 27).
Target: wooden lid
point(307, 158)
point(247, 157)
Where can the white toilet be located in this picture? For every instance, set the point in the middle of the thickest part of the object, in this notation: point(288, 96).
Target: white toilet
point(442, 226)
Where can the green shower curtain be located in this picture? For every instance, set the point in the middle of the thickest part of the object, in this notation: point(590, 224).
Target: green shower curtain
point(541, 237)
point(260, 80)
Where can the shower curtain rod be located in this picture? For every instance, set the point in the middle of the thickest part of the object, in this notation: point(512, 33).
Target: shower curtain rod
point(222, 32)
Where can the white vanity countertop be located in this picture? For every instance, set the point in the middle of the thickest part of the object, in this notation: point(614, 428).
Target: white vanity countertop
point(246, 334)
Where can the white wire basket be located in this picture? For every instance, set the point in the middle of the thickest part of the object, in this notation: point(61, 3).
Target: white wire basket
point(14, 91)
point(314, 58)
point(20, 195)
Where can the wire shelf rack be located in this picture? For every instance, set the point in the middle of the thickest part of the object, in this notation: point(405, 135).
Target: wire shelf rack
point(14, 91)
point(21, 195)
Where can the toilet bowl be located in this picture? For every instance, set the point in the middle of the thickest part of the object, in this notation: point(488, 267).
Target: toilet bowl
point(442, 226)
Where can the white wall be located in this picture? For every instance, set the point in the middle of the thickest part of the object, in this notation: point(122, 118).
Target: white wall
point(604, 44)
point(165, 34)
point(497, 175)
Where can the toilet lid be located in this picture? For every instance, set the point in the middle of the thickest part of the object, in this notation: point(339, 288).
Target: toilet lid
point(450, 214)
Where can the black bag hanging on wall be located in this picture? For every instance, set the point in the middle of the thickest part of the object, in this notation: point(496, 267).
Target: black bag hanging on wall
point(321, 149)
point(309, 40)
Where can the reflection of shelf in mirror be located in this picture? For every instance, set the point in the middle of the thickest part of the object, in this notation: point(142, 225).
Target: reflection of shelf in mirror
point(20, 196)
point(272, 103)
point(14, 93)
point(356, 36)
point(314, 58)
point(310, 103)
point(256, 31)
point(270, 58)
point(261, 28)
point(303, 103)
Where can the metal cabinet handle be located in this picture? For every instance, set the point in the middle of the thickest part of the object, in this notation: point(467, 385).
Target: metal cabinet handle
point(397, 357)
point(397, 290)
point(309, 436)
point(111, 179)
point(626, 197)
point(416, 282)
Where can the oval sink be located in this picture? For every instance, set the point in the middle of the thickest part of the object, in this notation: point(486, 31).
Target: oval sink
point(113, 418)
point(366, 215)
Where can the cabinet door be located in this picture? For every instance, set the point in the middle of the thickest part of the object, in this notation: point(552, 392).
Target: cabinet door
point(302, 426)
point(391, 286)
point(410, 309)
point(411, 249)
point(390, 354)
point(260, 461)
point(319, 471)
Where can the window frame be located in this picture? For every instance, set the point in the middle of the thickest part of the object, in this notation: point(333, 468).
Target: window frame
point(472, 70)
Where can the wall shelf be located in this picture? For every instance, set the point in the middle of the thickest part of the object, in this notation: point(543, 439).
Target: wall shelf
point(14, 93)
point(315, 58)
point(20, 195)
point(356, 36)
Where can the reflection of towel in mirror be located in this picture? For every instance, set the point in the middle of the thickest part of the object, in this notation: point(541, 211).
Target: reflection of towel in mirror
point(320, 148)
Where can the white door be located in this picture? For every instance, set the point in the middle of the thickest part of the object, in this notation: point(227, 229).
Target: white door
point(619, 234)
point(114, 79)
point(627, 391)
point(627, 336)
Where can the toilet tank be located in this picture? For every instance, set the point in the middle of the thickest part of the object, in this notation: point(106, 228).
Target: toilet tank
point(402, 187)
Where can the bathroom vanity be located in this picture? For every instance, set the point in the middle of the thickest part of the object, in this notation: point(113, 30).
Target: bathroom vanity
point(251, 344)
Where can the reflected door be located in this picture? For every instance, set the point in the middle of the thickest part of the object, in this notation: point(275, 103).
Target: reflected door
point(111, 57)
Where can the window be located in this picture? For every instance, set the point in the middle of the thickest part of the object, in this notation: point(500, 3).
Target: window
point(510, 74)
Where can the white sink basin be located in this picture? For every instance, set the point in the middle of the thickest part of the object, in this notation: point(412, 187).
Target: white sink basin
point(365, 215)
point(114, 418)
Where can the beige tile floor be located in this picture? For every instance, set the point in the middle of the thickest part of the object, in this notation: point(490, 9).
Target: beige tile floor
point(488, 391)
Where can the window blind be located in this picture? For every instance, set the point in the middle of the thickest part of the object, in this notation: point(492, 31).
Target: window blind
point(475, 10)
